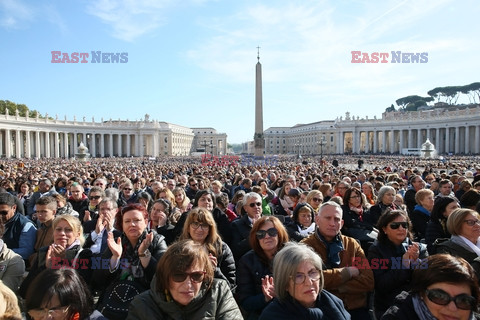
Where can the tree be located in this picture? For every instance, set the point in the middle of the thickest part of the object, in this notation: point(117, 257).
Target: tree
point(406, 101)
point(390, 109)
point(13, 107)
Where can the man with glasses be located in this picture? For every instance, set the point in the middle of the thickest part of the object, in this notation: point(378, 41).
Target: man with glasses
point(20, 233)
point(99, 227)
point(252, 205)
point(192, 188)
point(337, 251)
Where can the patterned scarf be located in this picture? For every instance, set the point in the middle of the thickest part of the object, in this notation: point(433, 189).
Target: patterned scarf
point(135, 268)
point(333, 250)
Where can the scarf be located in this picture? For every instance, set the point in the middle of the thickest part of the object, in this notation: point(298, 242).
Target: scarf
point(135, 268)
point(467, 244)
point(358, 211)
point(333, 250)
point(422, 210)
point(306, 231)
point(421, 308)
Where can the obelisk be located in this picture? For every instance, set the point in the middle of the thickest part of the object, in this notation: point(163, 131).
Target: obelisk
point(258, 136)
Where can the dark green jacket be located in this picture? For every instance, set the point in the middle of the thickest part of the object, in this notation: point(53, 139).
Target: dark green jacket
point(214, 303)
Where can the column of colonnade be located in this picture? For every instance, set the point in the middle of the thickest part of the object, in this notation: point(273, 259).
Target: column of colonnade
point(459, 139)
point(21, 143)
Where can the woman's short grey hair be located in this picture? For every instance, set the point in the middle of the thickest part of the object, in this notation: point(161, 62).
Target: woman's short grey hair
point(384, 190)
point(285, 265)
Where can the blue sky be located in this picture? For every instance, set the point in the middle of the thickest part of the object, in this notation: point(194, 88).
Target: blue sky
point(192, 62)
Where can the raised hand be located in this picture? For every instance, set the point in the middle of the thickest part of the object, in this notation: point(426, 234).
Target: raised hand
point(100, 224)
point(268, 288)
point(115, 247)
point(87, 216)
point(146, 243)
point(213, 259)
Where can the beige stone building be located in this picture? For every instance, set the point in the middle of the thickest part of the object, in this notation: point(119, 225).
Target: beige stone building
point(23, 137)
point(454, 131)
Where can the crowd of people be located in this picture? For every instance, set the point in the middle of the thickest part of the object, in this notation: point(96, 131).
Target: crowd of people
point(173, 238)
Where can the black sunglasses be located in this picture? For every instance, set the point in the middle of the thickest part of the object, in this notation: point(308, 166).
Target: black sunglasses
point(196, 276)
point(396, 225)
point(462, 301)
point(272, 232)
point(94, 197)
point(3, 213)
point(258, 204)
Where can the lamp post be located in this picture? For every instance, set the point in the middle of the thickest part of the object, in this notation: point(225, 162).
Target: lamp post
point(204, 145)
point(321, 143)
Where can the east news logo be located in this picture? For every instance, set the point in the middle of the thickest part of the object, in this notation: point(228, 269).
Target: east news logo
point(96, 57)
point(383, 57)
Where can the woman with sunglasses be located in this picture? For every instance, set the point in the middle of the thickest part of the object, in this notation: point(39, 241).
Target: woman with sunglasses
point(298, 281)
point(132, 256)
point(446, 288)
point(254, 273)
point(315, 199)
point(201, 228)
point(303, 222)
point(464, 226)
point(393, 257)
point(356, 219)
point(60, 294)
point(185, 288)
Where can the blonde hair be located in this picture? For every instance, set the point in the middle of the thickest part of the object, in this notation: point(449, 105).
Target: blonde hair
point(213, 242)
point(9, 300)
point(74, 222)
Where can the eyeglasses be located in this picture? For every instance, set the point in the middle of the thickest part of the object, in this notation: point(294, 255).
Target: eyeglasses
point(3, 212)
point(462, 301)
point(317, 199)
point(193, 185)
point(314, 275)
point(396, 225)
point(94, 197)
point(272, 232)
point(253, 204)
point(471, 222)
point(127, 188)
point(41, 313)
point(196, 276)
point(195, 225)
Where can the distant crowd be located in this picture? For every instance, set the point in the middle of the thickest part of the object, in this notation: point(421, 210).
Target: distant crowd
point(333, 237)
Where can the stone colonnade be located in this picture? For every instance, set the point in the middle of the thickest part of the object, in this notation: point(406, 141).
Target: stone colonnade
point(460, 139)
point(41, 143)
